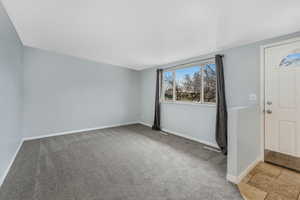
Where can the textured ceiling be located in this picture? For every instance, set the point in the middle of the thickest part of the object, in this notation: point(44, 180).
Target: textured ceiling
point(145, 33)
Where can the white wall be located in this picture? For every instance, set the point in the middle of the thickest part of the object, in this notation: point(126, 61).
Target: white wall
point(242, 71)
point(63, 93)
point(10, 92)
point(243, 141)
point(242, 77)
point(192, 120)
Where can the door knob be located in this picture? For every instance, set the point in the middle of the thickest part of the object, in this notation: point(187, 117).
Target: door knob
point(269, 103)
point(269, 111)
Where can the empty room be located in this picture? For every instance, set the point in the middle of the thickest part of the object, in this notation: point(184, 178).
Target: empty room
point(149, 100)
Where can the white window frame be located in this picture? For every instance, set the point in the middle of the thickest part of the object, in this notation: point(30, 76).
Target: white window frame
point(173, 70)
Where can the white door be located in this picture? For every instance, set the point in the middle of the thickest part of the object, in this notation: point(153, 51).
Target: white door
point(282, 98)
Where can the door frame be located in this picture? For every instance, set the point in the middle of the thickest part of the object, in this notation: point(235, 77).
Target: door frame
point(263, 89)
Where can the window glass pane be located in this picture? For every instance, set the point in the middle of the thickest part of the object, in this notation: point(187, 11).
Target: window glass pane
point(210, 83)
point(168, 85)
point(188, 84)
point(292, 60)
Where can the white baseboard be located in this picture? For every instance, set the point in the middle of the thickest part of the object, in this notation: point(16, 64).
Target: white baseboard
point(144, 123)
point(184, 136)
point(239, 178)
point(190, 138)
point(232, 179)
point(11, 163)
point(78, 131)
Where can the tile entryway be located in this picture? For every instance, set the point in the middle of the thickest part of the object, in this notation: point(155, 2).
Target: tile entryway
point(269, 182)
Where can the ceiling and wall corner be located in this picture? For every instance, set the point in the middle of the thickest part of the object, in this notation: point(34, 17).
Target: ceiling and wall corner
point(139, 34)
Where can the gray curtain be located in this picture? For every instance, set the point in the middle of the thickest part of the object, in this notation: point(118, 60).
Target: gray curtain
point(221, 120)
point(156, 124)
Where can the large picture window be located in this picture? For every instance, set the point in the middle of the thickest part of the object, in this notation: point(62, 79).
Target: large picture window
point(195, 83)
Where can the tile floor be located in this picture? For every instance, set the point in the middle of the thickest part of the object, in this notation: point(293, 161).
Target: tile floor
point(269, 182)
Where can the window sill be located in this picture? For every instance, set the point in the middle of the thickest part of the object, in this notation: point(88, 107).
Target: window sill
point(189, 103)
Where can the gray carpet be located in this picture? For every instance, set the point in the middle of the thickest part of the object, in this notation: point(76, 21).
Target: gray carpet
point(124, 163)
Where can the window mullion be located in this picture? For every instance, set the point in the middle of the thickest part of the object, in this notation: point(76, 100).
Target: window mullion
point(188, 82)
point(161, 89)
point(202, 84)
point(174, 86)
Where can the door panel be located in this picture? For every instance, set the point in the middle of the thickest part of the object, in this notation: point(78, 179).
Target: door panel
point(287, 131)
point(271, 136)
point(282, 95)
point(287, 94)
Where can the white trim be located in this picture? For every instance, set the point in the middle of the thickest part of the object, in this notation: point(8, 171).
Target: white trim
point(78, 131)
point(190, 103)
point(11, 163)
point(184, 136)
point(190, 138)
point(174, 86)
point(281, 43)
point(243, 174)
point(145, 124)
point(202, 84)
point(202, 62)
point(232, 179)
point(262, 102)
point(263, 89)
point(185, 66)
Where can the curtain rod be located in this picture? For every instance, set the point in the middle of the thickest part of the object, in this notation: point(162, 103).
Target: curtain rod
point(201, 60)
